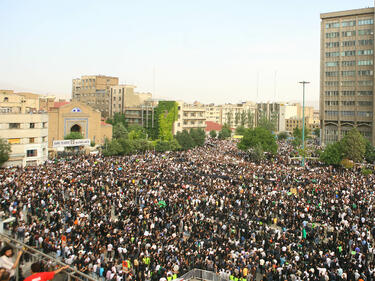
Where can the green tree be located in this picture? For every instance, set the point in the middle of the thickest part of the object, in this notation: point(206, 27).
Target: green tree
point(213, 134)
point(317, 132)
point(119, 131)
point(353, 146)
point(237, 118)
point(185, 140)
point(240, 130)
point(266, 124)
point(370, 152)
point(198, 136)
point(225, 132)
point(112, 148)
point(118, 118)
point(256, 136)
point(256, 154)
point(243, 118)
point(136, 132)
point(250, 119)
point(5, 150)
point(332, 154)
point(127, 146)
point(229, 117)
point(282, 136)
point(73, 136)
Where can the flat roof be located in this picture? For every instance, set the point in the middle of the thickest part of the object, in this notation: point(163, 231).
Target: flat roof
point(354, 12)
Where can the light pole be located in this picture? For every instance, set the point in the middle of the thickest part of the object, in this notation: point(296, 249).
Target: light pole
point(303, 123)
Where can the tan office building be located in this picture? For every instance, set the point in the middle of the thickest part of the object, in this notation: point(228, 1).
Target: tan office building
point(189, 116)
point(94, 90)
point(67, 117)
point(347, 74)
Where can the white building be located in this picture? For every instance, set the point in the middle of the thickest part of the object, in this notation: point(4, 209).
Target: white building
point(189, 116)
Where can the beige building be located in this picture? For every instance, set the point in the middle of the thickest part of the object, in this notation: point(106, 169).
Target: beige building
point(65, 118)
point(24, 128)
point(124, 96)
point(94, 90)
point(189, 116)
point(347, 74)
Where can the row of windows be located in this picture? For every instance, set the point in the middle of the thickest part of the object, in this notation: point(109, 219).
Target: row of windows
point(25, 140)
point(349, 53)
point(348, 93)
point(349, 83)
point(349, 63)
point(349, 23)
point(28, 125)
point(349, 73)
point(350, 33)
point(348, 113)
point(348, 103)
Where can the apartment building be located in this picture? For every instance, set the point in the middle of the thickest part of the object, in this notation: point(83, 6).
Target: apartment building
point(190, 116)
point(25, 128)
point(94, 90)
point(347, 74)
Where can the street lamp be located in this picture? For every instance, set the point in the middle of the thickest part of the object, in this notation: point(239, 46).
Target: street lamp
point(303, 123)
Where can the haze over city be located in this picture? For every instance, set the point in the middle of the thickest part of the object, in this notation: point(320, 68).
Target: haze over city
point(211, 51)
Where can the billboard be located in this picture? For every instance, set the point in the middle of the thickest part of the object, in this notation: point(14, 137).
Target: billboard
point(69, 143)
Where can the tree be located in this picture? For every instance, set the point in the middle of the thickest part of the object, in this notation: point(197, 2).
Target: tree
point(136, 132)
point(256, 154)
point(316, 132)
point(185, 140)
point(353, 146)
point(118, 118)
point(266, 124)
point(112, 148)
point(198, 136)
point(332, 154)
point(250, 119)
point(229, 117)
point(243, 118)
point(370, 152)
point(297, 134)
point(240, 130)
point(73, 136)
point(213, 134)
point(119, 131)
point(282, 136)
point(237, 118)
point(141, 145)
point(5, 150)
point(225, 132)
point(258, 136)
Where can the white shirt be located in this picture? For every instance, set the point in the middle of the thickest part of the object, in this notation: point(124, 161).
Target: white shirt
point(7, 263)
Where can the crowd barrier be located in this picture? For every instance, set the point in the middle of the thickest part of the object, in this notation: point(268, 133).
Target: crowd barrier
point(200, 274)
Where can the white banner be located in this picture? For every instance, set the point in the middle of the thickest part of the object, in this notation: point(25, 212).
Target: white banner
point(68, 143)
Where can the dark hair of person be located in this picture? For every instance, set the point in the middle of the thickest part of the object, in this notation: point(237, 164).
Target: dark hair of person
point(4, 249)
point(36, 267)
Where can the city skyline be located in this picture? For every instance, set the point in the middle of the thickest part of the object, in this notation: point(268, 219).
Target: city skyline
point(210, 52)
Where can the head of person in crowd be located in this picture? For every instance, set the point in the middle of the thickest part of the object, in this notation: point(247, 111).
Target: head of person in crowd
point(36, 267)
point(7, 251)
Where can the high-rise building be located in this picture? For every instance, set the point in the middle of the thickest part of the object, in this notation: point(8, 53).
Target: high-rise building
point(94, 90)
point(347, 74)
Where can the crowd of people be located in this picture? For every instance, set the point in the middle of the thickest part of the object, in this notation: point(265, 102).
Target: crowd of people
point(156, 216)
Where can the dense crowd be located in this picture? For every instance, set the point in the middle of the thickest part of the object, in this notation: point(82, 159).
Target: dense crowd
point(157, 216)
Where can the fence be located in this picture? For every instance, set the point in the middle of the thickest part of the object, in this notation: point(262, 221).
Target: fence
point(200, 274)
point(36, 255)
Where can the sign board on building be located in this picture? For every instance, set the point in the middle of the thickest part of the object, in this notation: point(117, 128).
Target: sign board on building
point(69, 143)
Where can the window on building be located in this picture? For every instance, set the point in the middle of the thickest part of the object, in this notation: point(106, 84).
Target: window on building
point(348, 63)
point(332, 34)
point(348, 93)
point(348, 103)
point(31, 140)
point(348, 33)
point(332, 54)
point(348, 73)
point(348, 23)
point(365, 103)
point(347, 83)
point(365, 62)
point(364, 93)
point(331, 93)
point(331, 103)
point(14, 141)
point(14, 125)
point(347, 113)
point(332, 73)
point(365, 52)
point(365, 83)
point(348, 43)
point(365, 21)
point(364, 113)
point(32, 125)
point(348, 53)
point(331, 83)
point(332, 44)
point(365, 72)
point(332, 25)
point(31, 153)
point(365, 42)
point(332, 63)
point(331, 112)
point(365, 32)
point(6, 99)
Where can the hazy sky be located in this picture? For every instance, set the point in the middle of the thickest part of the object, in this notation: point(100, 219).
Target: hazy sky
point(211, 51)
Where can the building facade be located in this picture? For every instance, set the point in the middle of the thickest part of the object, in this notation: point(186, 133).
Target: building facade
point(347, 74)
point(94, 90)
point(65, 118)
point(190, 116)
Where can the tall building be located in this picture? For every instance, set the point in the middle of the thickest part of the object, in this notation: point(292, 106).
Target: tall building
point(347, 74)
point(94, 90)
point(190, 116)
point(24, 127)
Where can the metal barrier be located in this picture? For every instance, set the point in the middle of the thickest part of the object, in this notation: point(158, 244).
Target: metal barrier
point(38, 255)
point(201, 274)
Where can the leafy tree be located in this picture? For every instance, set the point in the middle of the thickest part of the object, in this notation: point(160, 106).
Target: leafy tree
point(127, 146)
point(266, 124)
point(119, 131)
point(370, 152)
point(353, 146)
point(250, 119)
point(185, 140)
point(240, 130)
point(225, 132)
point(73, 136)
point(282, 136)
point(243, 118)
point(237, 118)
point(260, 136)
point(332, 154)
point(229, 117)
point(5, 150)
point(198, 136)
point(112, 148)
point(213, 134)
point(136, 132)
point(256, 154)
point(162, 146)
point(118, 118)
point(297, 134)
point(141, 145)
